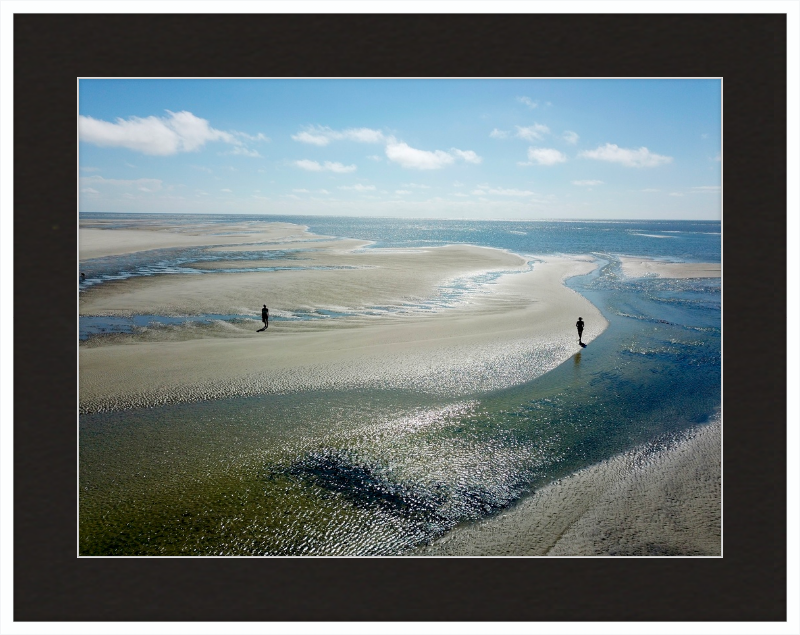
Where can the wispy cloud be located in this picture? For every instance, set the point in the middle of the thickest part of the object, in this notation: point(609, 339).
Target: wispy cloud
point(528, 102)
point(544, 156)
point(707, 189)
point(163, 136)
point(532, 133)
point(484, 190)
point(412, 158)
point(641, 158)
point(499, 134)
point(330, 166)
point(322, 135)
point(587, 183)
point(141, 185)
point(358, 187)
point(570, 137)
point(239, 150)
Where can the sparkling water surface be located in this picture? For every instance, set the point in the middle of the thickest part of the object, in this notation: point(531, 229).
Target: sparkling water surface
point(380, 472)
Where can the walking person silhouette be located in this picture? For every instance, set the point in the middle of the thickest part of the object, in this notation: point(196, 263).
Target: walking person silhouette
point(579, 325)
point(265, 317)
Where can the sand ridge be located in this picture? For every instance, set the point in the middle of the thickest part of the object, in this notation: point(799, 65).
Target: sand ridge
point(657, 499)
point(641, 267)
point(521, 328)
point(425, 318)
point(97, 240)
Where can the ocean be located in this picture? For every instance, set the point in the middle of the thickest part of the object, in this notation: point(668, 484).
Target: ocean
point(381, 472)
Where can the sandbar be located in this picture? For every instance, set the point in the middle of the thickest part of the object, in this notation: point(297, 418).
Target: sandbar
point(662, 499)
point(505, 332)
point(642, 267)
point(95, 240)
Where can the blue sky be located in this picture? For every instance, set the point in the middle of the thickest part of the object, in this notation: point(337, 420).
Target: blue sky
point(445, 148)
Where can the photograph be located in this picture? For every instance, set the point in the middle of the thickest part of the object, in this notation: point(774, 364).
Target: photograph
point(399, 317)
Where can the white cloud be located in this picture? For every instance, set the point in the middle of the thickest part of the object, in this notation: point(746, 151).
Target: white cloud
point(641, 158)
point(259, 137)
point(458, 184)
point(528, 102)
point(322, 135)
point(331, 166)
point(142, 185)
point(545, 156)
point(225, 189)
point(358, 187)
point(587, 182)
point(301, 191)
point(375, 157)
point(245, 152)
point(499, 134)
point(504, 192)
point(178, 132)
point(650, 189)
point(532, 133)
point(417, 185)
point(409, 157)
point(675, 194)
point(468, 155)
point(570, 137)
point(706, 189)
point(89, 190)
point(402, 191)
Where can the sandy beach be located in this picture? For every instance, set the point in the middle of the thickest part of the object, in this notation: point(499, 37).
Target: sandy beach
point(97, 239)
point(660, 499)
point(641, 267)
point(505, 333)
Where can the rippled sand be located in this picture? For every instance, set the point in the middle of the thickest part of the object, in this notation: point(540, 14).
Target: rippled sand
point(659, 499)
point(497, 335)
point(641, 267)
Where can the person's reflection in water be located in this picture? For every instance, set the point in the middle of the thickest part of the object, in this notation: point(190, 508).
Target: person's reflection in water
point(577, 359)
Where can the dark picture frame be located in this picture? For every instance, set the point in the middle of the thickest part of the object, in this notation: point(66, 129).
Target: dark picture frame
point(51, 583)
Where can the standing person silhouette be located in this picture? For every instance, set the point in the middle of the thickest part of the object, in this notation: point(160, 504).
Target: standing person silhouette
point(265, 316)
point(579, 325)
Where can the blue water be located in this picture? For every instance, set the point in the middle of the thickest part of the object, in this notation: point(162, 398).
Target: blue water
point(381, 472)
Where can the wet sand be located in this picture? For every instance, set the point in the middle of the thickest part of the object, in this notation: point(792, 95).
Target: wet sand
point(97, 240)
point(501, 334)
point(641, 267)
point(662, 500)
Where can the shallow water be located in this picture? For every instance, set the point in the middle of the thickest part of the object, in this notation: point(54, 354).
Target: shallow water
point(378, 472)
